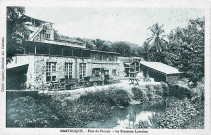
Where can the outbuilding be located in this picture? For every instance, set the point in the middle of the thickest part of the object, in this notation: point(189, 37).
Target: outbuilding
point(159, 71)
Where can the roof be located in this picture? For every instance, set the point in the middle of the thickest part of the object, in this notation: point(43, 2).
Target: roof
point(160, 67)
point(102, 51)
point(26, 16)
point(18, 68)
point(129, 59)
point(54, 43)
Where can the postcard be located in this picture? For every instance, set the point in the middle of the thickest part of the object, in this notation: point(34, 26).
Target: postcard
point(105, 67)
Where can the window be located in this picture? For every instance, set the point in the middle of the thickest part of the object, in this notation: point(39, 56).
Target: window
point(47, 35)
point(104, 57)
point(111, 58)
point(97, 56)
point(82, 70)
point(68, 70)
point(51, 71)
point(114, 72)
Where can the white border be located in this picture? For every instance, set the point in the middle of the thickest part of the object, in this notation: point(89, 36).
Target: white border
point(111, 3)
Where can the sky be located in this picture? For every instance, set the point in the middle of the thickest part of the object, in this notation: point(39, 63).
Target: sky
point(114, 24)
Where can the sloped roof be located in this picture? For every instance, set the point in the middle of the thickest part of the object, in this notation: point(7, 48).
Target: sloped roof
point(161, 67)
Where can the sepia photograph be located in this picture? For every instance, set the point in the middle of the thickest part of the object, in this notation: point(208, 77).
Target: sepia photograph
point(105, 67)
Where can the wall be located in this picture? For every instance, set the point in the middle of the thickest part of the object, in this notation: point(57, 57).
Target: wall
point(40, 67)
point(22, 60)
point(111, 66)
point(36, 75)
point(158, 76)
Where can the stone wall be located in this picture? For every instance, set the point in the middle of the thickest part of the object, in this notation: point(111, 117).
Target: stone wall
point(40, 67)
point(36, 75)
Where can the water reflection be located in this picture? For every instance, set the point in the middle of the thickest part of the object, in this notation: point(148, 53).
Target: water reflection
point(131, 115)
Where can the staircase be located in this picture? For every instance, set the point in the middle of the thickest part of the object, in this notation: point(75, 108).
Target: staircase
point(35, 33)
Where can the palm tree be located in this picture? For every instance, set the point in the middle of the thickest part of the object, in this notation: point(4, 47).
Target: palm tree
point(98, 43)
point(157, 42)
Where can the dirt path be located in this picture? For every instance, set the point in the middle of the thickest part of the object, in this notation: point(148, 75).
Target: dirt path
point(123, 84)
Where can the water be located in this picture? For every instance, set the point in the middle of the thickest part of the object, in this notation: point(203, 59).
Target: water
point(120, 116)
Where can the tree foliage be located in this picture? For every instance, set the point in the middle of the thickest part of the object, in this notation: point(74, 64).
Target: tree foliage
point(185, 49)
point(188, 44)
point(127, 49)
point(14, 28)
point(157, 41)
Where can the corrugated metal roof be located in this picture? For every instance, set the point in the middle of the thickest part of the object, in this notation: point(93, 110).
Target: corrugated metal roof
point(161, 67)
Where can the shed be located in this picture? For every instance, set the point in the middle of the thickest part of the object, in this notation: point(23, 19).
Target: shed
point(159, 71)
point(16, 77)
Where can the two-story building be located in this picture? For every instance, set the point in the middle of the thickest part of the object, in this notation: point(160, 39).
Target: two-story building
point(45, 59)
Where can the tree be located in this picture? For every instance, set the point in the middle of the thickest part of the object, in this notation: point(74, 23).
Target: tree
point(16, 32)
point(122, 47)
point(89, 44)
point(98, 43)
point(56, 35)
point(157, 42)
point(188, 44)
point(145, 51)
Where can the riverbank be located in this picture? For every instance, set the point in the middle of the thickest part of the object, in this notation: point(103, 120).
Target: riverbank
point(99, 104)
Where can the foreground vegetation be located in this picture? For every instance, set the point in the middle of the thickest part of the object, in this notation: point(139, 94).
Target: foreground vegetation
point(182, 113)
point(51, 112)
point(61, 111)
point(91, 106)
point(30, 112)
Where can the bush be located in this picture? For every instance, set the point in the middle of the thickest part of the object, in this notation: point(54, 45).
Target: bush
point(140, 94)
point(147, 93)
point(91, 106)
point(179, 115)
point(149, 124)
point(143, 124)
point(28, 112)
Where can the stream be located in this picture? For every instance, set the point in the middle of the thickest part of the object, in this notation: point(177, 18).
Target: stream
point(135, 112)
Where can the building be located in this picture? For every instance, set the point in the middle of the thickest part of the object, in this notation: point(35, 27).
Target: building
point(158, 71)
point(131, 65)
point(47, 59)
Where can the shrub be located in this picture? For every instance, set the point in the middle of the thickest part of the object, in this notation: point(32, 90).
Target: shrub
point(179, 115)
point(143, 124)
point(148, 92)
point(91, 106)
point(28, 112)
point(152, 123)
point(198, 91)
point(140, 94)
